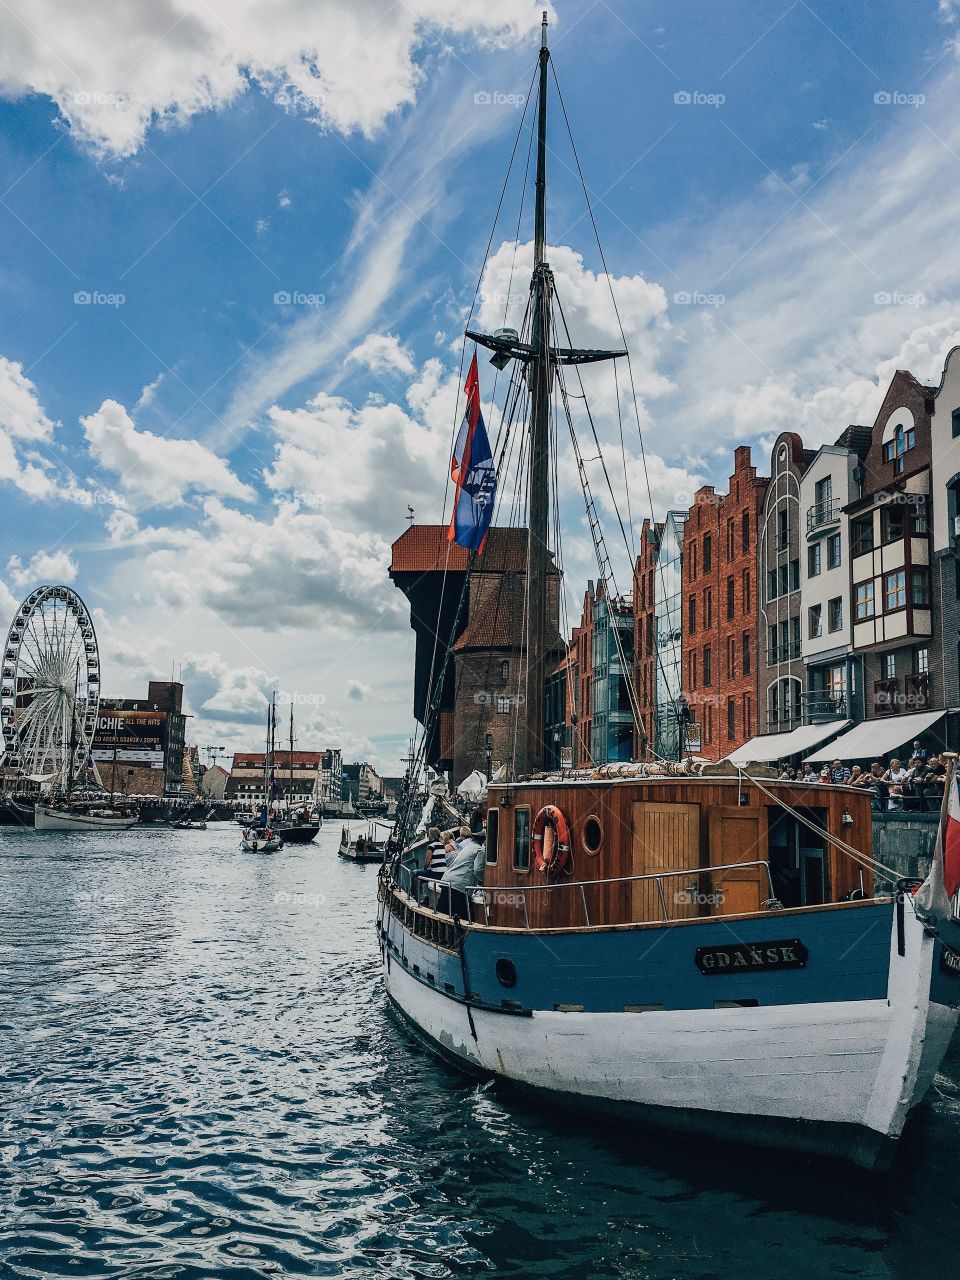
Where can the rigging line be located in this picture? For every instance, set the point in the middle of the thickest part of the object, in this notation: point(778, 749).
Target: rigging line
point(601, 459)
point(613, 299)
point(604, 565)
point(623, 455)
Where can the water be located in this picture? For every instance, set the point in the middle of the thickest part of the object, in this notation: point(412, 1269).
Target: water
point(201, 1077)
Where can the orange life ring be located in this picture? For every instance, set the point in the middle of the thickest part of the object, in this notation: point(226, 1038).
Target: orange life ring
point(551, 840)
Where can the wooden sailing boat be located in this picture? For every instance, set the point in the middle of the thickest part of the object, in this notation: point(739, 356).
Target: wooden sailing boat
point(300, 826)
point(260, 836)
point(709, 951)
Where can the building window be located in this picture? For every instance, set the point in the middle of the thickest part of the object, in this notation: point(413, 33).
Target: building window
point(731, 658)
point(708, 608)
point(783, 580)
point(707, 667)
point(731, 719)
point(730, 598)
point(794, 575)
point(505, 670)
point(771, 584)
point(747, 715)
point(902, 442)
point(888, 664)
point(835, 614)
point(834, 553)
point(894, 590)
point(815, 621)
point(863, 595)
point(707, 553)
point(823, 497)
point(731, 540)
point(692, 615)
point(922, 661)
point(920, 586)
point(861, 535)
point(813, 560)
point(503, 704)
point(708, 722)
point(956, 423)
point(891, 522)
point(521, 839)
point(773, 704)
point(693, 669)
point(745, 531)
point(783, 529)
point(693, 560)
point(745, 647)
point(918, 516)
point(745, 585)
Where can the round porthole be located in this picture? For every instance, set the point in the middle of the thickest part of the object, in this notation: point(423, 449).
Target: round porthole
point(592, 835)
point(506, 972)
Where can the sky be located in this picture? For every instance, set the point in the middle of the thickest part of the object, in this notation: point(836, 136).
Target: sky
point(239, 244)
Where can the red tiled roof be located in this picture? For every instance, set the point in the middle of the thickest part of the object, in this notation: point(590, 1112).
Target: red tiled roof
point(424, 548)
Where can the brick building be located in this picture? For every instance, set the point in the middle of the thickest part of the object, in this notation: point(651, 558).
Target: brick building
point(138, 745)
point(297, 775)
point(719, 615)
point(482, 693)
point(644, 636)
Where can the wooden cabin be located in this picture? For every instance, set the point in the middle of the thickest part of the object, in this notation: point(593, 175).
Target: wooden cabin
point(709, 846)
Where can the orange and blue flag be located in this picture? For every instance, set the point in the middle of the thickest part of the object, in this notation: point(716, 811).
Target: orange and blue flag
point(473, 472)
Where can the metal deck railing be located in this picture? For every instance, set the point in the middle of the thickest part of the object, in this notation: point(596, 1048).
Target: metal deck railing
point(481, 898)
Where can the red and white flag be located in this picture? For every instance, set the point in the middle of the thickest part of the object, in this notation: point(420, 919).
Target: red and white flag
point(934, 895)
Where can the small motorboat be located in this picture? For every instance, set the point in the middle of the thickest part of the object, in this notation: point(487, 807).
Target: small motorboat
point(363, 848)
point(260, 840)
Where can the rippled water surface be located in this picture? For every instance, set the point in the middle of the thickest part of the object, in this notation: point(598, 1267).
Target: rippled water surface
point(201, 1077)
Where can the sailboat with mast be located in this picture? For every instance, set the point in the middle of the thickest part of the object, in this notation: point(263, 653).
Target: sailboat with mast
point(260, 836)
point(685, 945)
point(296, 824)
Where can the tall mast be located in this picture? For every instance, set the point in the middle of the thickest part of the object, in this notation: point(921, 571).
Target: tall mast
point(541, 287)
point(539, 357)
point(290, 795)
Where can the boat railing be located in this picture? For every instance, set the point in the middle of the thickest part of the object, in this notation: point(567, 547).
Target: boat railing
point(481, 898)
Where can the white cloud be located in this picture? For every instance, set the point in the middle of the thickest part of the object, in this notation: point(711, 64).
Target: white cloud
point(358, 691)
point(44, 566)
point(156, 470)
point(23, 426)
point(9, 604)
point(121, 66)
point(382, 353)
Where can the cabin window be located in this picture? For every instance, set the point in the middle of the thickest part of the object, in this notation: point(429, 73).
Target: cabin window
point(493, 827)
point(521, 839)
point(592, 835)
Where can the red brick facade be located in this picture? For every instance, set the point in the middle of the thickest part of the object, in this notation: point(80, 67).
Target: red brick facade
point(720, 611)
point(644, 637)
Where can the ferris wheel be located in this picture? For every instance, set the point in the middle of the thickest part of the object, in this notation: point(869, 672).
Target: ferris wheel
point(50, 688)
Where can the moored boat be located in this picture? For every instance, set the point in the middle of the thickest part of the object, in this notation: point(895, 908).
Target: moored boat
point(365, 847)
point(686, 945)
point(66, 816)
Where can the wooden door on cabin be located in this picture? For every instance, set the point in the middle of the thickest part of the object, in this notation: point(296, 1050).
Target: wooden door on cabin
point(736, 836)
point(666, 837)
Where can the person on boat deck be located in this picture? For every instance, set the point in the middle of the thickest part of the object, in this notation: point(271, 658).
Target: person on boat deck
point(435, 859)
point(809, 773)
point(465, 871)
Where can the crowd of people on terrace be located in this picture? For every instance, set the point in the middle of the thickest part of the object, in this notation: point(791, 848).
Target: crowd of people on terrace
point(916, 785)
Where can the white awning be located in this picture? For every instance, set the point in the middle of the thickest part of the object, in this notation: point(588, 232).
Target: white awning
point(778, 746)
point(875, 738)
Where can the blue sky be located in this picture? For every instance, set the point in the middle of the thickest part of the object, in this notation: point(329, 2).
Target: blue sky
point(279, 221)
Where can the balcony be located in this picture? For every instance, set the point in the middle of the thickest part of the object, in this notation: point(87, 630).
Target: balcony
point(887, 699)
point(783, 653)
point(917, 692)
point(823, 514)
point(822, 705)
